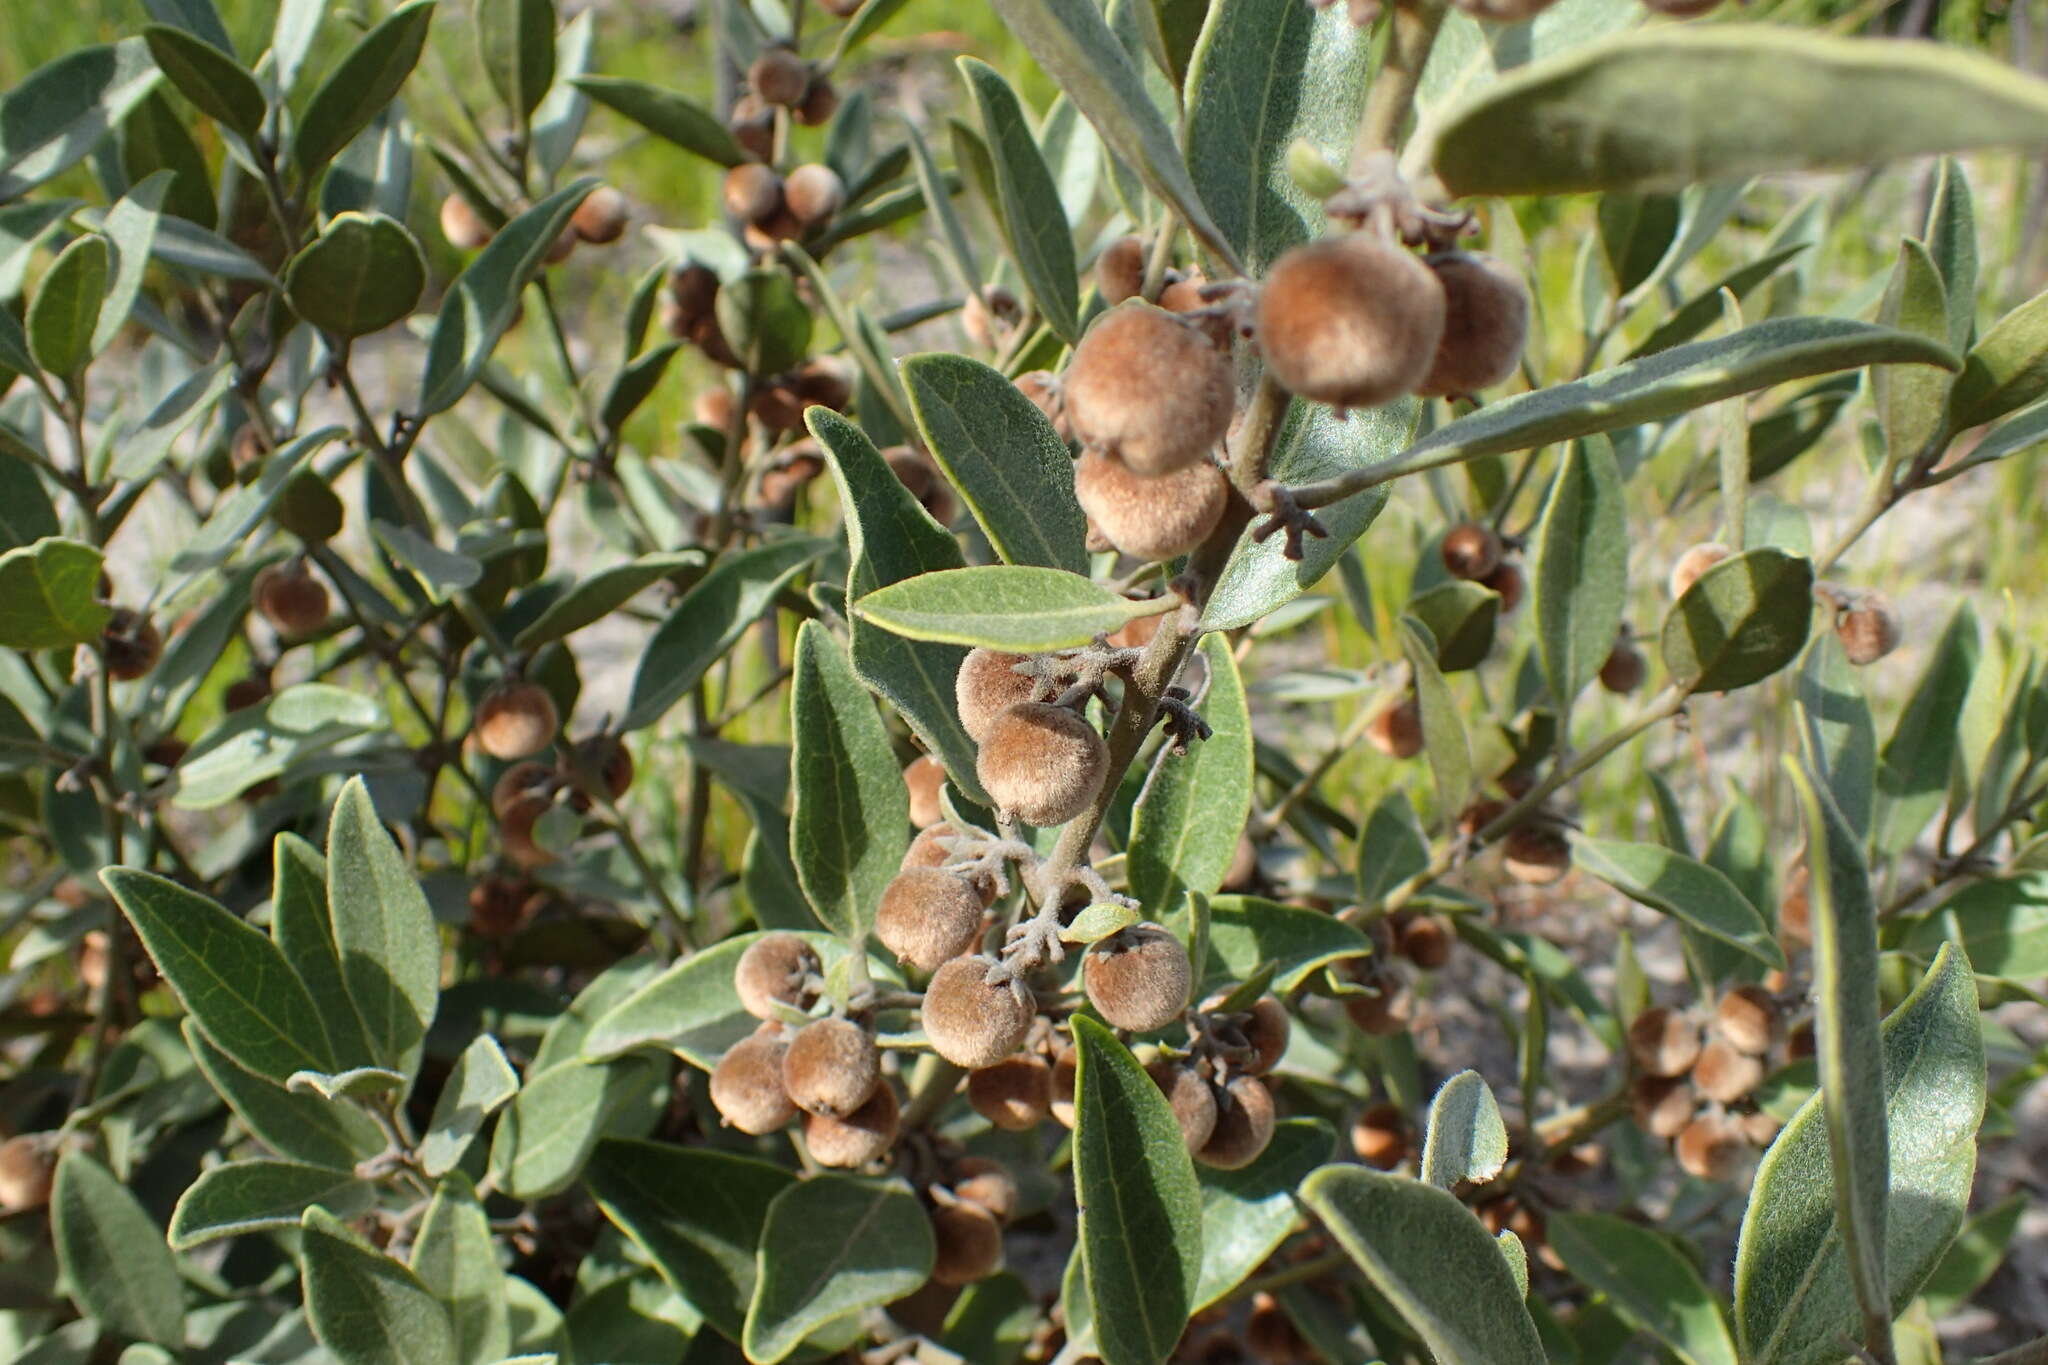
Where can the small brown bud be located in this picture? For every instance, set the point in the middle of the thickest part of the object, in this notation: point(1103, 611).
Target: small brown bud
point(773, 970)
point(1380, 1137)
point(1150, 517)
point(987, 685)
point(1662, 1105)
point(1624, 670)
point(1148, 388)
point(967, 1244)
point(1244, 1125)
point(814, 194)
point(925, 776)
point(1350, 320)
point(779, 76)
point(1397, 731)
point(1869, 630)
point(1663, 1042)
point(1748, 1018)
point(1120, 270)
point(28, 1168)
point(1015, 1094)
point(928, 917)
point(292, 600)
point(515, 832)
point(746, 1085)
point(1471, 550)
point(130, 645)
point(1190, 1096)
point(988, 1183)
point(1426, 941)
point(752, 192)
point(971, 1021)
point(462, 225)
point(1536, 856)
point(1486, 324)
point(863, 1136)
point(1693, 563)
point(601, 218)
point(831, 1067)
point(1725, 1075)
point(516, 720)
point(1042, 763)
point(1506, 580)
point(1711, 1148)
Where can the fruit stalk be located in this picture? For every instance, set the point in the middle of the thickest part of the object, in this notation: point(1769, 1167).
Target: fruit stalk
point(1415, 25)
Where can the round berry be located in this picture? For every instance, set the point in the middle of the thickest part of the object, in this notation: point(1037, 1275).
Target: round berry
point(1693, 563)
point(1711, 1148)
point(971, 1021)
point(1148, 388)
point(747, 1087)
point(1150, 517)
point(1724, 1075)
point(1486, 324)
point(1352, 321)
point(924, 776)
point(1015, 1094)
point(130, 645)
point(1536, 856)
point(927, 917)
point(861, 1137)
point(462, 225)
point(292, 600)
point(1190, 1096)
point(1244, 1125)
point(516, 720)
point(987, 685)
point(967, 1244)
point(1471, 550)
point(1748, 1018)
point(1662, 1105)
point(601, 218)
point(1663, 1042)
point(814, 194)
point(831, 1067)
point(1138, 978)
point(774, 970)
point(779, 76)
point(1869, 630)
point(1043, 764)
point(1380, 1137)
point(1397, 731)
point(1120, 270)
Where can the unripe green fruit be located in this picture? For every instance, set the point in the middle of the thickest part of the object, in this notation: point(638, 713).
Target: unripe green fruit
point(1711, 1148)
point(1869, 630)
point(987, 685)
point(1536, 856)
point(924, 776)
point(520, 781)
point(831, 1067)
point(1244, 1125)
point(987, 1183)
point(1471, 550)
point(27, 1171)
point(601, 218)
point(1042, 763)
point(861, 1137)
point(462, 225)
point(1486, 320)
point(1150, 517)
point(130, 645)
point(1725, 1075)
point(967, 1244)
point(516, 720)
point(308, 509)
point(971, 1021)
point(1663, 1042)
point(1748, 1018)
point(1397, 731)
point(292, 600)
point(747, 1086)
point(1380, 1137)
point(1138, 978)
point(1352, 321)
point(928, 917)
point(1015, 1094)
point(752, 192)
point(773, 971)
point(1120, 270)
point(814, 194)
point(1190, 1096)
point(1662, 1105)
point(1693, 563)
point(779, 76)
point(1149, 389)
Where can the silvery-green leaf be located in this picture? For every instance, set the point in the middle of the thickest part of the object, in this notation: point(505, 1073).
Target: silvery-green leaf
point(1689, 891)
point(1014, 607)
point(361, 85)
point(803, 1281)
point(49, 595)
point(1741, 621)
point(113, 1256)
point(1466, 1139)
point(849, 826)
point(241, 1197)
point(364, 1307)
point(456, 1257)
point(59, 113)
point(1647, 1280)
point(1186, 825)
point(1581, 568)
point(1041, 242)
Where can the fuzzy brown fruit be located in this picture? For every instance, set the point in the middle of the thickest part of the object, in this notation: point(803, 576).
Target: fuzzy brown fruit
point(1693, 563)
point(747, 1087)
point(292, 600)
point(1663, 1042)
point(1190, 1096)
point(1507, 581)
point(243, 693)
point(1662, 1105)
point(1352, 321)
point(515, 832)
point(987, 685)
point(924, 776)
point(971, 1021)
point(1759, 1128)
point(1042, 763)
point(27, 1171)
point(1725, 1075)
point(1138, 978)
point(1397, 731)
point(130, 645)
point(1015, 1094)
point(814, 194)
point(501, 906)
point(1271, 1337)
point(1711, 1148)
point(521, 780)
point(1426, 941)
point(863, 1136)
point(1624, 670)
point(928, 917)
point(752, 193)
point(929, 849)
point(601, 218)
point(831, 1067)
point(1043, 390)
point(1244, 1125)
point(1869, 630)
point(1380, 1137)
point(1471, 550)
point(1748, 1018)
point(1267, 1030)
point(603, 763)
point(1184, 295)
point(1536, 856)
point(1120, 270)
point(462, 225)
point(1486, 324)
point(1148, 388)
point(516, 720)
point(779, 76)
point(772, 971)
point(1065, 1068)
point(820, 102)
point(1385, 1014)
point(1150, 517)
point(967, 1244)
point(987, 1183)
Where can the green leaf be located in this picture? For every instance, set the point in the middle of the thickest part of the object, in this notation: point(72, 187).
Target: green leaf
point(1847, 1028)
point(634, 385)
point(1444, 738)
point(1636, 231)
point(665, 114)
point(303, 1127)
point(847, 829)
point(1248, 1212)
point(66, 307)
point(1071, 40)
point(1647, 1281)
point(2005, 371)
point(360, 275)
point(236, 515)
point(1431, 1260)
point(131, 226)
point(1460, 617)
point(144, 448)
point(49, 595)
point(1185, 827)
point(1650, 110)
point(359, 1083)
point(1840, 739)
point(1911, 400)
point(1466, 1139)
point(766, 321)
point(456, 1260)
point(1743, 620)
point(1952, 241)
point(1913, 770)
point(604, 592)
point(26, 513)
point(232, 980)
point(516, 41)
point(1031, 218)
point(1691, 892)
point(1703, 309)
point(697, 1214)
point(485, 296)
point(1391, 848)
point(1098, 921)
point(209, 76)
point(1793, 1301)
point(547, 1132)
point(196, 17)
point(880, 1250)
point(257, 743)
point(1141, 1210)
point(2002, 924)
point(1581, 568)
point(1264, 75)
point(256, 1196)
point(889, 538)
point(59, 113)
point(1009, 464)
point(1248, 932)
point(364, 1307)
point(112, 1255)
point(303, 929)
point(709, 618)
point(481, 1084)
point(383, 928)
point(1973, 1257)
point(359, 88)
point(993, 1320)
point(1014, 607)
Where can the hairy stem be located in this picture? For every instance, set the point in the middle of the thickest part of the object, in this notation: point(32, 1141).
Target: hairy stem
point(1415, 25)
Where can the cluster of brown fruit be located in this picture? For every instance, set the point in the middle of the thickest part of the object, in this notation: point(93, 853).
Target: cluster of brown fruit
point(1865, 621)
point(1695, 1090)
point(599, 220)
point(780, 82)
point(517, 720)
